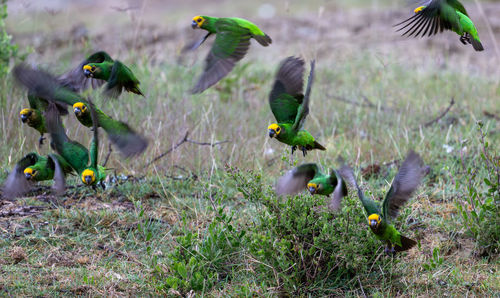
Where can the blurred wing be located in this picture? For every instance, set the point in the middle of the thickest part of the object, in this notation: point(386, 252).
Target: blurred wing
point(437, 16)
point(59, 186)
point(339, 192)
point(286, 95)
point(194, 45)
point(122, 136)
point(296, 179)
point(405, 183)
point(44, 85)
point(230, 46)
point(304, 107)
point(76, 81)
point(16, 184)
point(348, 175)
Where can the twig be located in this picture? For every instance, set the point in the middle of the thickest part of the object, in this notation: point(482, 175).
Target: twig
point(124, 9)
point(207, 144)
point(184, 140)
point(367, 104)
point(362, 291)
point(429, 123)
point(110, 149)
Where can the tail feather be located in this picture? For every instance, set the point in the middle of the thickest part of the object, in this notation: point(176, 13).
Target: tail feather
point(406, 243)
point(476, 44)
point(264, 40)
point(318, 146)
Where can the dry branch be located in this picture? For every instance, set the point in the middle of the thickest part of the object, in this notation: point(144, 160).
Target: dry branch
point(429, 123)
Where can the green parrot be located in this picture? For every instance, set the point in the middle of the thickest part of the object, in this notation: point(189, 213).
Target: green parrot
point(33, 168)
point(439, 15)
point(101, 66)
point(232, 40)
point(76, 80)
point(309, 176)
point(43, 85)
point(405, 183)
point(290, 107)
point(75, 153)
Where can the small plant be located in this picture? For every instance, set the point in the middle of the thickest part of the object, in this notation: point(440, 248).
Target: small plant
point(479, 213)
point(435, 261)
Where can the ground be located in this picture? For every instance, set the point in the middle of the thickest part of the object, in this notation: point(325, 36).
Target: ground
point(203, 220)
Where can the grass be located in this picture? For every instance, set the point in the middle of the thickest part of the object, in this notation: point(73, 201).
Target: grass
point(204, 219)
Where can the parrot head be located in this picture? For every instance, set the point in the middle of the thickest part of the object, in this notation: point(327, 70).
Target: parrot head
point(313, 187)
point(27, 115)
point(419, 9)
point(374, 221)
point(79, 108)
point(89, 70)
point(274, 130)
point(30, 173)
point(197, 22)
point(88, 176)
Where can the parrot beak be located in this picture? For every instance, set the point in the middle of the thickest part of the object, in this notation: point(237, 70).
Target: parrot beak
point(373, 223)
point(88, 73)
point(312, 190)
point(88, 180)
point(194, 25)
point(28, 176)
point(272, 133)
point(77, 111)
point(24, 118)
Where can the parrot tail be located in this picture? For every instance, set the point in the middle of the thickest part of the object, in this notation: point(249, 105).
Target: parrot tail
point(264, 40)
point(318, 146)
point(407, 244)
point(477, 45)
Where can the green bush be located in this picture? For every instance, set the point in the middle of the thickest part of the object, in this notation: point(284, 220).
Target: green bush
point(200, 262)
point(298, 247)
point(7, 50)
point(481, 209)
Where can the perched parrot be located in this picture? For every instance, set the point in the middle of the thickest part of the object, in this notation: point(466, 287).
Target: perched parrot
point(101, 66)
point(405, 183)
point(44, 85)
point(439, 15)
point(33, 168)
point(73, 152)
point(232, 40)
point(309, 176)
point(290, 107)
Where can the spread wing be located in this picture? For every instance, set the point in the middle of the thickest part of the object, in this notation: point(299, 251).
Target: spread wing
point(437, 16)
point(75, 80)
point(405, 183)
point(304, 107)
point(44, 85)
point(16, 184)
point(59, 186)
point(339, 192)
point(370, 206)
point(286, 95)
point(230, 46)
point(296, 179)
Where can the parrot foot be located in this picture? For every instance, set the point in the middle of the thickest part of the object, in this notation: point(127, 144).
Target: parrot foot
point(465, 39)
point(102, 185)
point(40, 140)
point(389, 250)
point(304, 151)
point(293, 149)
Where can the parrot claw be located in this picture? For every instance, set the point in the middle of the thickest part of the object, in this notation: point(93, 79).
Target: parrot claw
point(465, 39)
point(389, 250)
point(40, 140)
point(293, 149)
point(304, 151)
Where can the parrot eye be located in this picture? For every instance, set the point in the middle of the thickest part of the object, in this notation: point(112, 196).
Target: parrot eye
point(278, 129)
point(198, 20)
point(92, 68)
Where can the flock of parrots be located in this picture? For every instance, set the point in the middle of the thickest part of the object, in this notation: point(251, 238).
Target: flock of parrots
point(49, 96)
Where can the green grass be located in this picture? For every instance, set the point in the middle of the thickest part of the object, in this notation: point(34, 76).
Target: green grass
point(205, 219)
